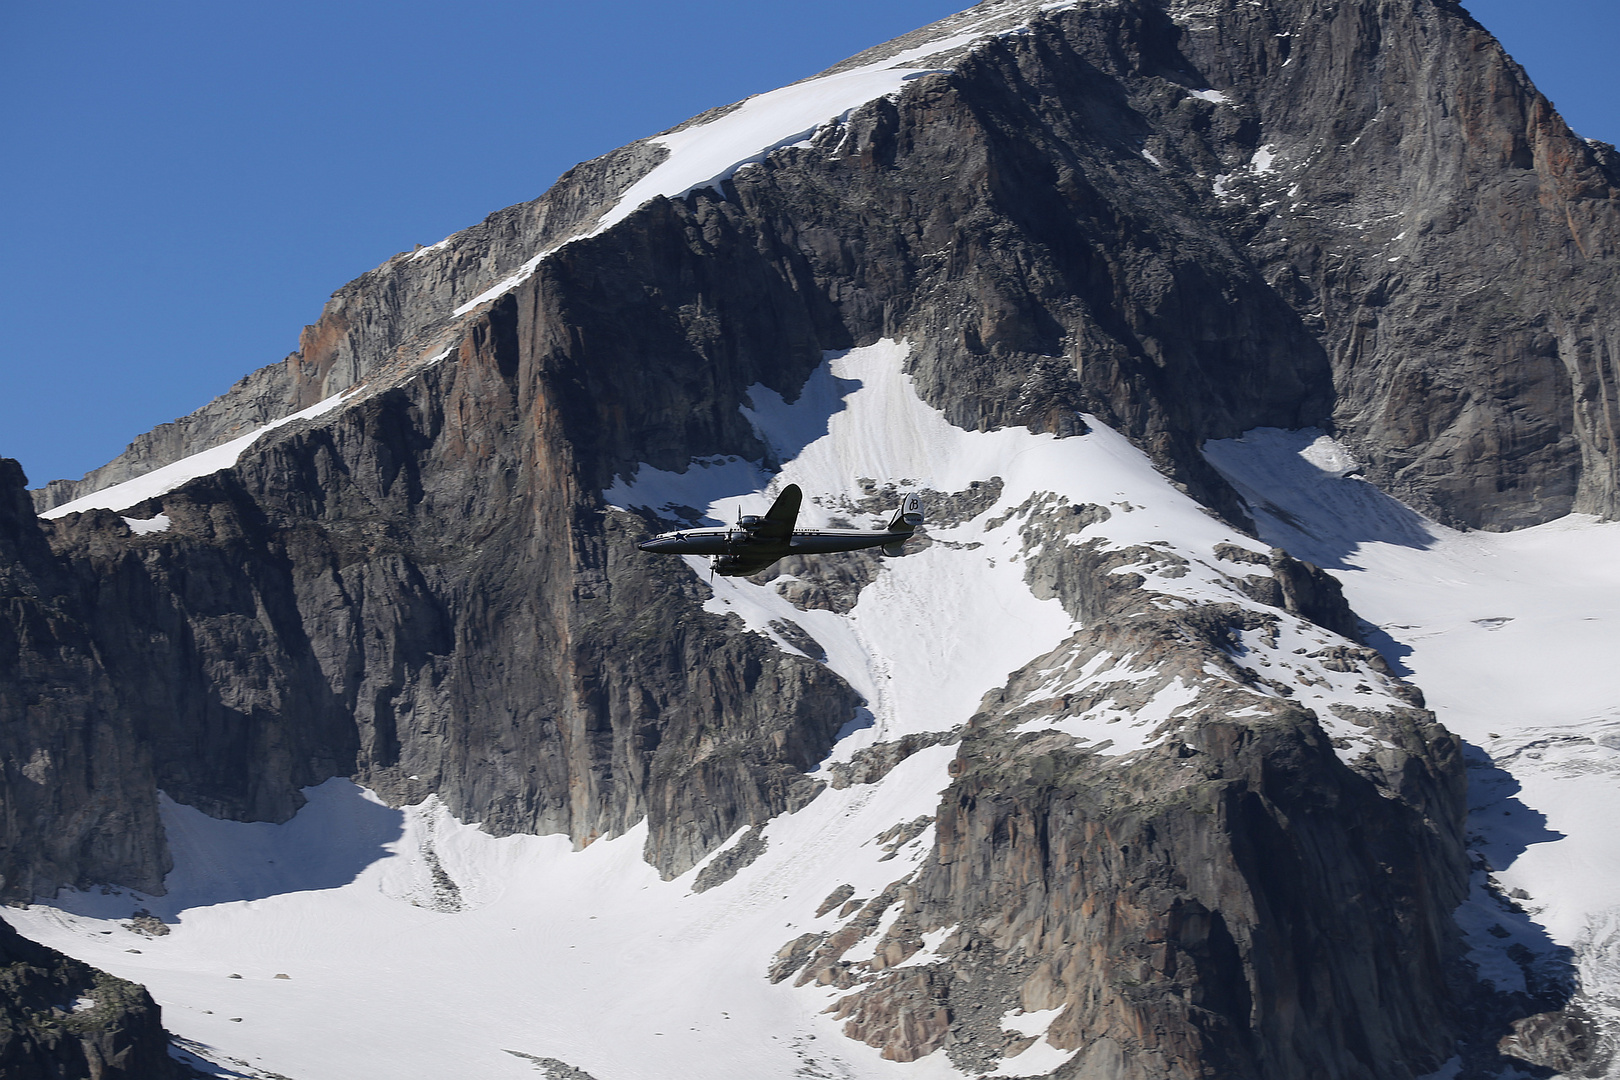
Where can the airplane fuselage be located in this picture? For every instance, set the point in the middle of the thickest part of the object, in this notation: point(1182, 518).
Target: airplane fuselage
point(736, 541)
point(755, 542)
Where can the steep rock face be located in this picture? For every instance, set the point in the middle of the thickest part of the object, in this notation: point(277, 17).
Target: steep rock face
point(1046, 269)
point(77, 803)
point(1410, 185)
point(384, 597)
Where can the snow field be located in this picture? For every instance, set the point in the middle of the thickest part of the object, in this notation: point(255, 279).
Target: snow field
point(582, 956)
point(942, 626)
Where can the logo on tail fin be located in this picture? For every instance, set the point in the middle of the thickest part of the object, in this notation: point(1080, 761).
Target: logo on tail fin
point(908, 515)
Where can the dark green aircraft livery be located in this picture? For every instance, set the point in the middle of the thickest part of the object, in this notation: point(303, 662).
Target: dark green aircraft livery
point(755, 542)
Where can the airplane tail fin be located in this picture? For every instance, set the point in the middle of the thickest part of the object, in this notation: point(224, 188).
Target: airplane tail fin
point(907, 516)
point(778, 522)
point(784, 512)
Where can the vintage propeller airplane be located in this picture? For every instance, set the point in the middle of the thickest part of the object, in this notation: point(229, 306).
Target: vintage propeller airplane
point(755, 542)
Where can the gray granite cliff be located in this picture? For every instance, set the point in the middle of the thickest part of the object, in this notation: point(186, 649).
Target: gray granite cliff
point(1189, 219)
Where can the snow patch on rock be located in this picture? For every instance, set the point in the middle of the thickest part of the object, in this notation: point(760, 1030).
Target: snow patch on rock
point(147, 526)
point(166, 479)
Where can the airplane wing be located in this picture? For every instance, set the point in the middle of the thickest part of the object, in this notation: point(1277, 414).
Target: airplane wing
point(777, 524)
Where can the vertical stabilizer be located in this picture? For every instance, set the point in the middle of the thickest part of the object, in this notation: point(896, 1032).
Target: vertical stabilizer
point(907, 516)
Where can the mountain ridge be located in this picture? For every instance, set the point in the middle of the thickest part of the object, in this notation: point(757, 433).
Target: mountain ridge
point(1577, 174)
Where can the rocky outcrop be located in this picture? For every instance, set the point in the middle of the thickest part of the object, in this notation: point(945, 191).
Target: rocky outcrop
point(1180, 900)
point(1569, 1041)
point(63, 1020)
point(724, 866)
point(1194, 909)
point(1299, 588)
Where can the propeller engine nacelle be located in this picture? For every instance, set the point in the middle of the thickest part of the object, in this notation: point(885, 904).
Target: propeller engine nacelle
point(750, 521)
point(729, 566)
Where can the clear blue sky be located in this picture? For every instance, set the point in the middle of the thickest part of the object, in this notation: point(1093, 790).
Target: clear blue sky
point(187, 181)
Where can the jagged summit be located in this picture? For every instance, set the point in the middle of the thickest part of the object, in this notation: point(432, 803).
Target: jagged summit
point(1149, 302)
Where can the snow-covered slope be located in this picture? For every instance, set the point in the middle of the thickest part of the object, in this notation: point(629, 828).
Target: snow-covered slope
point(534, 951)
point(705, 153)
point(916, 644)
point(162, 480)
